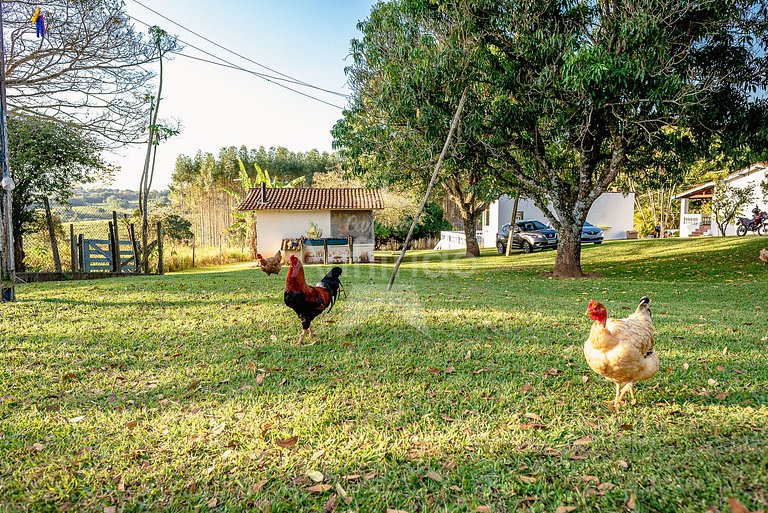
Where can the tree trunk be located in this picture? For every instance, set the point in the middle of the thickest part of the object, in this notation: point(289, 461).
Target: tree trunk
point(568, 261)
point(470, 232)
point(18, 252)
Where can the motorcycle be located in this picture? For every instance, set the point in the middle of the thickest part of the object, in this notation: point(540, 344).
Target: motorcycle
point(757, 224)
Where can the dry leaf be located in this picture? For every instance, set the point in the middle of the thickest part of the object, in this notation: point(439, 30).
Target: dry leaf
point(131, 424)
point(685, 366)
point(527, 479)
point(370, 475)
point(110, 509)
point(256, 487)
point(526, 388)
point(193, 384)
point(584, 440)
point(450, 369)
point(191, 486)
point(447, 418)
point(259, 379)
point(565, 509)
point(623, 464)
point(577, 457)
point(533, 425)
point(590, 479)
point(75, 420)
point(121, 484)
point(319, 488)
point(218, 429)
point(432, 370)
point(455, 488)
point(532, 416)
point(434, 476)
point(721, 396)
point(212, 503)
point(631, 501)
point(606, 486)
point(720, 368)
point(330, 504)
point(352, 477)
point(390, 510)
point(736, 506)
point(483, 509)
point(479, 371)
point(37, 447)
point(273, 338)
point(625, 426)
point(288, 442)
point(316, 476)
point(712, 382)
point(317, 455)
point(583, 379)
point(343, 493)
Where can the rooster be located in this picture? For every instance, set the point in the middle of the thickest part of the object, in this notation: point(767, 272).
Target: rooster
point(271, 265)
point(764, 255)
point(621, 350)
point(308, 302)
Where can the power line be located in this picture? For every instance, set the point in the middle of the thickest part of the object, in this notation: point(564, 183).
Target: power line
point(292, 79)
point(272, 80)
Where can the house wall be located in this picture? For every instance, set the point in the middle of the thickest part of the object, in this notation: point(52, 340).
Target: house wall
point(741, 182)
point(614, 212)
point(272, 226)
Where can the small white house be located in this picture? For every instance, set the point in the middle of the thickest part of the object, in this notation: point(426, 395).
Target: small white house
point(614, 212)
point(339, 213)
point(696, 225)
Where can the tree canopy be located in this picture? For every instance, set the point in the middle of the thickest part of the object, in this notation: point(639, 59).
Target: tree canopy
point(88, 70)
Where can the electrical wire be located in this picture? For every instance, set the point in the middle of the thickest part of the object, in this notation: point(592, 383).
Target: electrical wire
point(290, 79)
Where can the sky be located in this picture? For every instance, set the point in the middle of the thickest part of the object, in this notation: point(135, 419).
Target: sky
point(217, 107)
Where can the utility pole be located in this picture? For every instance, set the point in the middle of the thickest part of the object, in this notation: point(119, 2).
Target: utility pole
point(6, 205)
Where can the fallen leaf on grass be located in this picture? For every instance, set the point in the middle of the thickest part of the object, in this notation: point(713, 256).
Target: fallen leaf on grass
point(712, 382)
point(577, 457)
point(110, 509)
point(131, 424)
point(736, 506)
point(256, 487)
point(259, 379)
point(447, 418)
point(432, 370)
point(330, 504)
point(455, 488)
point(625, 427)
point(37, 447)
point(193, 384)
point(533, 425)
point(319, 488)
point(565, 509)
point(352, 477)
point(483, 509)
point(121, 484)
point(434, 476)
point(721, 396)
point(316, 476)
point(479, 371)
point(526, 388)
point(623, 464)
point(212, 503)
point(584, 440)
point(631, 501)
point(390, 510)
point(720, 368)
point(606, 486)
point(527, 479)
point(584, 379)
point(75, 420)
point(287, 443)
point(532, 416)
point(450, 369)
point(317, 455)
point(590, 479)
point(343, 493)
point(191, 486)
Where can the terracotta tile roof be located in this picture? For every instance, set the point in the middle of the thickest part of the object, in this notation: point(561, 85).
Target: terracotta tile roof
point(312, 199)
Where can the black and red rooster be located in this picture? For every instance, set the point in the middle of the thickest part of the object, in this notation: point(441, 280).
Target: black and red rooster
point(308, 302)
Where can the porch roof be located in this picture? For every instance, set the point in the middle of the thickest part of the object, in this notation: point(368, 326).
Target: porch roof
point(703, 191)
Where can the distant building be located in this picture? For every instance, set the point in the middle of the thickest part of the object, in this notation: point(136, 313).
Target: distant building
point(286, 213)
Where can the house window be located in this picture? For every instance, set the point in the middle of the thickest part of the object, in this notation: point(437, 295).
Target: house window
point(486, 217)
point(520, 215)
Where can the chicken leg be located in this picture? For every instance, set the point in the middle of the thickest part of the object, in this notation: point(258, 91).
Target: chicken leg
point(304, 332)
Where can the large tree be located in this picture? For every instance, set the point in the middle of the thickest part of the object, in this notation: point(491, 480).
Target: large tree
point(586, 90)
point(409, 70)
point(88, 70)
point(49, 160)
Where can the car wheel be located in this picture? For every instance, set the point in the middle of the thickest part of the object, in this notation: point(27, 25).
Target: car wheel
point(500, 247)
point(527, 248)
point(741, 230)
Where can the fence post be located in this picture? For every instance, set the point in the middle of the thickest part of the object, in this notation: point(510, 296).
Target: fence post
point(193, 251)
point(73, 248)
point(115, 255)
point(80, 252)
point(349, 242)
point(52, 234)
point(160, 266)
point(118, 259)
point(132, 233)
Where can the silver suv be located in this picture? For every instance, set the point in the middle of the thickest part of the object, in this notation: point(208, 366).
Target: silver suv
point(528, 235)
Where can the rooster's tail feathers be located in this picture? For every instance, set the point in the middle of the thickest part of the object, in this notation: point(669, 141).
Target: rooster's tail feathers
point(643, 306)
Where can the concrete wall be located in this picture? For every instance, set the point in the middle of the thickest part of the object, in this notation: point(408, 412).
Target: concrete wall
point(614, 212)
point(272, 226)
point(744, 181)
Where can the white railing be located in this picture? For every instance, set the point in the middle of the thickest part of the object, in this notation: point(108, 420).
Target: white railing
point(456, 240)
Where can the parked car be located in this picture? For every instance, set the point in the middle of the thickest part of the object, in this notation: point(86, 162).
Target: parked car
point(591, 233)
point(528, 236)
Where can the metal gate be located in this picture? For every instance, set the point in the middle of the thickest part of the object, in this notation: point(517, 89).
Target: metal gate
point(97, 256)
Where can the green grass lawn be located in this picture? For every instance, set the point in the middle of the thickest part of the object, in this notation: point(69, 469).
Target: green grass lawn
point(464, 389)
